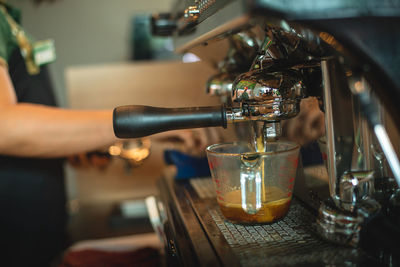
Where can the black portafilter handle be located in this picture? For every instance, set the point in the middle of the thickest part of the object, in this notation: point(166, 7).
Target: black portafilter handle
point(135, 121)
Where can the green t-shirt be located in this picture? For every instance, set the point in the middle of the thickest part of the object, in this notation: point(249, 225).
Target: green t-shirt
point(8, 41)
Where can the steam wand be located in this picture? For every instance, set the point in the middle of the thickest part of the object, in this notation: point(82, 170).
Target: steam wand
point(369, 109)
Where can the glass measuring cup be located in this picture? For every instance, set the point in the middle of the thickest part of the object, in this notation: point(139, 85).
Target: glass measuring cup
point(253, 187)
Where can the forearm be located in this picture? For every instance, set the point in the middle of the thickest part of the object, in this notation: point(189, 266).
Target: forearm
point(41, 131)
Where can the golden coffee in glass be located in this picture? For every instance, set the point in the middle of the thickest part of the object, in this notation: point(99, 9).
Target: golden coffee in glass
point(253, 187)
point(275, 205)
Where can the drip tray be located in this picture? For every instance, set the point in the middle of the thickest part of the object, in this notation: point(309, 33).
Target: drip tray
point(292, 241)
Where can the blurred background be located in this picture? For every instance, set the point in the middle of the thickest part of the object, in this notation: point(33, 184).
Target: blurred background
point(86, 32)
point(106, 58)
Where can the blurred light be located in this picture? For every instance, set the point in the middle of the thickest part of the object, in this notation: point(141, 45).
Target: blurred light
point(138, 154)
point(359, 87)
point(114, 150)
point(134, 151)
point(190, 58)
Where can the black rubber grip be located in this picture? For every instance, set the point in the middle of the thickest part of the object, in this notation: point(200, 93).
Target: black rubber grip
point(138, 121)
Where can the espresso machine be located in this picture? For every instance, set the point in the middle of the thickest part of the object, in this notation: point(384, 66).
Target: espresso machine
point(345, 53)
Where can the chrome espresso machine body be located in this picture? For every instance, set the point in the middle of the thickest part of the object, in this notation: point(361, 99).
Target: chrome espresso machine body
point(275, 53)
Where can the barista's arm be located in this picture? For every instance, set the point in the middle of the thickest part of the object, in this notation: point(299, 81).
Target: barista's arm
point(41, 131)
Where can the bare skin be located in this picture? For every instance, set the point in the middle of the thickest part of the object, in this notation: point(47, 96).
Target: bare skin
point(32, 130)
point(39, 131)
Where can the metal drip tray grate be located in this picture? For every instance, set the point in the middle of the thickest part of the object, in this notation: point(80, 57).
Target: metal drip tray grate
point(288, 242)
point(292, 241)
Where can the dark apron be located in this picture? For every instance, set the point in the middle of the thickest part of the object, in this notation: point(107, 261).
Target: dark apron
point(32, 193)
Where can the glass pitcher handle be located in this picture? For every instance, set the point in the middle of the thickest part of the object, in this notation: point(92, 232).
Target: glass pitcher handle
point(251, 185)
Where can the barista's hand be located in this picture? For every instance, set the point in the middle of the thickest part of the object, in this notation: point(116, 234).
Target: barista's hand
point(92, 159)
point(308, 125)
point(193, 140)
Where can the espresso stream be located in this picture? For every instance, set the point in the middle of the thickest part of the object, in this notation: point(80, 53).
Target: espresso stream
point(275, 205)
